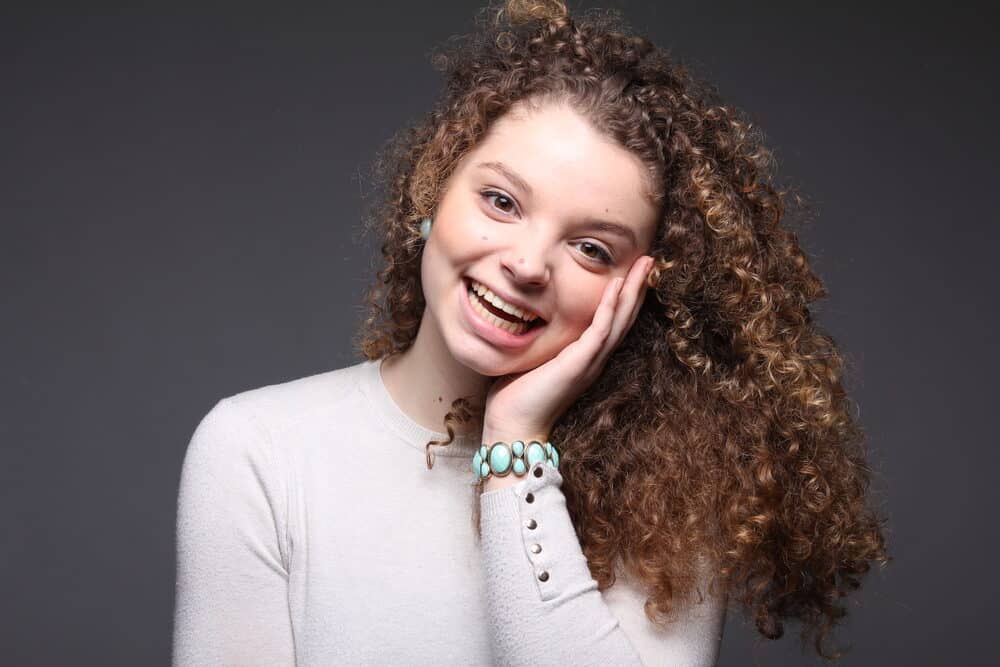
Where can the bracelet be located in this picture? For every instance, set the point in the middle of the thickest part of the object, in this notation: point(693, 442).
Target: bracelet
point(501, 459)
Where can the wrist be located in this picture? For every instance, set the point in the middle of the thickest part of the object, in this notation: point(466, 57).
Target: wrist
point(504, 461)
point(494, 483)
point(509, 435)
point(507, 430)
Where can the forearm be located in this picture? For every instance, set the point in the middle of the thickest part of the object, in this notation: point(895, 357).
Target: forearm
point(543, 602)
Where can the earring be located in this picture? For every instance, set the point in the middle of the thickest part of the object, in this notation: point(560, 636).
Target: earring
point(425, 228)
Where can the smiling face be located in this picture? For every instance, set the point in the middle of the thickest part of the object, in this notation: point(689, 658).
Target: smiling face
point(525, 214)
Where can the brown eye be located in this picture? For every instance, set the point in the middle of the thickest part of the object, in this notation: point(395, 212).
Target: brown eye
point(502, 201)
point(596, 252)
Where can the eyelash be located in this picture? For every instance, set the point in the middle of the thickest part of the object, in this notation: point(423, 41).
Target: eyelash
point(604, 257)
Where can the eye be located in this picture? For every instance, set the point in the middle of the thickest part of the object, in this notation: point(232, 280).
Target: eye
point(597, 252)
point(500, 198)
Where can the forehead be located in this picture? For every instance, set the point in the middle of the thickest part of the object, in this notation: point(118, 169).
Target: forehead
point(558, 152)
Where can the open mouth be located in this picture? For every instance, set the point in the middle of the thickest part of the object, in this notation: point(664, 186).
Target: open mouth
point(497, 316)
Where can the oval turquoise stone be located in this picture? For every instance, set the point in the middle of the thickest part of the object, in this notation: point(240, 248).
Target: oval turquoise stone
point(482, 452)
point(519, 467)
point(484, 470)
point(548, 448)
point(477, 462)
point(500, 458)
point(518, 447)
point(555, 457)
point(534, 453)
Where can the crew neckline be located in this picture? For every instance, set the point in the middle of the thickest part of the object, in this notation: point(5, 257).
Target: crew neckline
point(400, 423)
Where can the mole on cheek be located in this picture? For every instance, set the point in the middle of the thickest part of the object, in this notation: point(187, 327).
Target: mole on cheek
point(485, 238)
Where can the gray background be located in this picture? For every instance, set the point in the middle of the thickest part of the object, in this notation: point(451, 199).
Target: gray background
point(181, 189)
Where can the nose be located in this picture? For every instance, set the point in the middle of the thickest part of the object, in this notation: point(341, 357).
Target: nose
point(525, 263)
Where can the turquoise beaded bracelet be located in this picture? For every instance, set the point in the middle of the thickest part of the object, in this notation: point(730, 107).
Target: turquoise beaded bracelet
point(501, 459)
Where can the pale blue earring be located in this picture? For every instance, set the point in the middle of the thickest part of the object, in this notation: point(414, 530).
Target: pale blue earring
point(425, 228)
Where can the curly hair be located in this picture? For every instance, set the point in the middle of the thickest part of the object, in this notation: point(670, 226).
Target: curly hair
point(720, 430)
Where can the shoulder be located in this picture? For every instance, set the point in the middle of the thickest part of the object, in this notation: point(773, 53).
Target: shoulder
point(248, 422)
point(276, 406)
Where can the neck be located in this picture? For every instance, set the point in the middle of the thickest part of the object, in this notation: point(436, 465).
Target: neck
point(426, 378)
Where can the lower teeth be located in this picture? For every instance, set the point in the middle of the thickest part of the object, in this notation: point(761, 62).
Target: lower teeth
point(512, 327)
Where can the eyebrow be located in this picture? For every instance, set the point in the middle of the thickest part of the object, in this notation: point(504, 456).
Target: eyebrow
point(507, 173)
point(612, 228)
point(590, 223)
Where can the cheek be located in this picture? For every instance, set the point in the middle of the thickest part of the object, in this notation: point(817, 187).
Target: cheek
point(577, 311)
point(461, 235)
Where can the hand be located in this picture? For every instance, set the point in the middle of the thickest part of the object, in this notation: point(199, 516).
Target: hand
point(525, 406)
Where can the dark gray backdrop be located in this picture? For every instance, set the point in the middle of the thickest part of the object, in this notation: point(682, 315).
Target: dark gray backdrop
point(180, 196)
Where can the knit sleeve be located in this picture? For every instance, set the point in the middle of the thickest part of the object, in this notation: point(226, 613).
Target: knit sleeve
point(544, 605)
point(232, 554)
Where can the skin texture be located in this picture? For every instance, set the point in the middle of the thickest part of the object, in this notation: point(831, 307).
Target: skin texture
point(532, 247)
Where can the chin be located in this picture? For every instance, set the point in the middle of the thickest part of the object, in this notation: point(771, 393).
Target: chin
point(486, 367)
point(497, 363)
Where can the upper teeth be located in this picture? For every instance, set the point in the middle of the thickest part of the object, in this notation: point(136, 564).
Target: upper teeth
point(487, 295)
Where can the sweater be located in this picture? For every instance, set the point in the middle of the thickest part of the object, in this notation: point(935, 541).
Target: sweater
point(311, 532)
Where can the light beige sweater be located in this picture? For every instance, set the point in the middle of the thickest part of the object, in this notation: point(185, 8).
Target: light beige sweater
point(311, 532)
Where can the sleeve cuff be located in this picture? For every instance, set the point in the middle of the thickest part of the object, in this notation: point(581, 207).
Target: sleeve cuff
point(533, 515)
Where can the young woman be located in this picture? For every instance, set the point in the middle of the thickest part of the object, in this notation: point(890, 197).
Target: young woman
point(588, 288)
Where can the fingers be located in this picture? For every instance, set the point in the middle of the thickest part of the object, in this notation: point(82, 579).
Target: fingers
point(607, 311)
point(615, 314)
point(630, 301)
point(633, 294)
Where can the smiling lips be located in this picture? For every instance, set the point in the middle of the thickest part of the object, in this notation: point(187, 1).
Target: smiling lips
point(500, 304)
point(497, 312)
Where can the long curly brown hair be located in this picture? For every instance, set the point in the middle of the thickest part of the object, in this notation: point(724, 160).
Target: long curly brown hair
point(720, 427)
